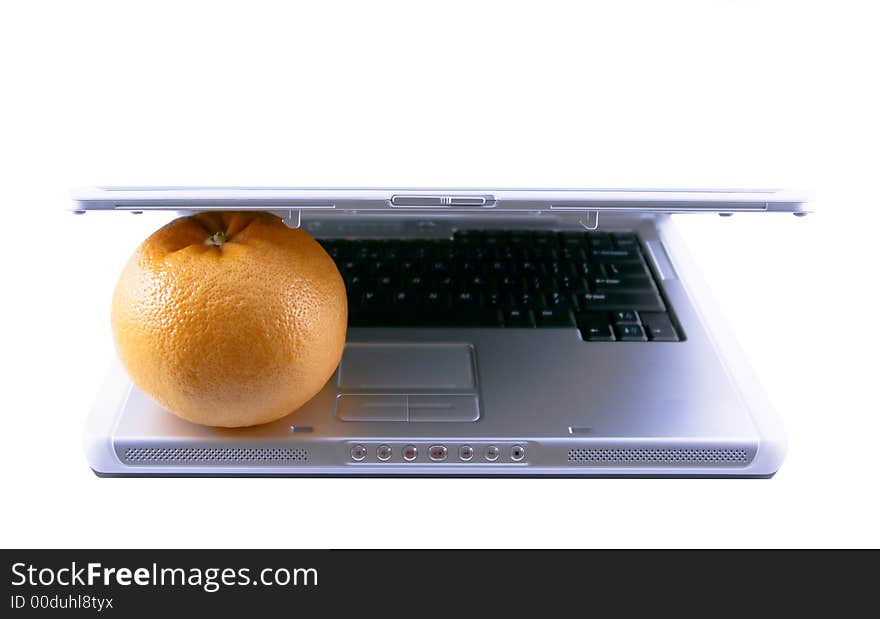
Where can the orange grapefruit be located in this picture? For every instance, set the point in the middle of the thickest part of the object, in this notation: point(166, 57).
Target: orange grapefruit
point(230, 319)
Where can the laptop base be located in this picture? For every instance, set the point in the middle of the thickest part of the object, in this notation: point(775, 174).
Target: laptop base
point(489, 401)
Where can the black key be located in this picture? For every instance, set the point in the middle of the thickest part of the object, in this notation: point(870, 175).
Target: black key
point(572, 284)
point(573, 239)
point(519, 318)
point(436, 298)
point(621, 284)
point(599, 240)
point(559, 300)
point(477, 317)
point(554, 317)
point(586, 269)
point(629, 333)
point(625, 241)
point(572, 254)
point(563, 269)
point(610, 301)
point(615, 255)
point(659, 327)
point(545, 239)
point(468, 267)
point(376, 298)
point(547, 252)
point(431, 318)
point(493, 298)
point(361, 317)
point(624, 316)
point(379, 267)
point(390, 253)
point(469, 237)
point(447, 252)
point(520, 237)
point(480, 254)
point(616, 269)
point(538, 284)
point(476, 281)
point(595, 327)
point(494, 238)
point(411, 252)
point(407, 267)
point(499, 267)
point(508, 253)
point(466, 297)
point(473, 317)
point(529, 299)
point(445, 281)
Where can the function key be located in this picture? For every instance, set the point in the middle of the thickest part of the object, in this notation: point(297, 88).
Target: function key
point(519, 237)
point(494, 237)
point(625, 240)
point(468, 237)
point(600, 241)
point(545, 239)
point(573, 239)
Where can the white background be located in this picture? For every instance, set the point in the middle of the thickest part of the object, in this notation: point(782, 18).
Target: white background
point(624, 94)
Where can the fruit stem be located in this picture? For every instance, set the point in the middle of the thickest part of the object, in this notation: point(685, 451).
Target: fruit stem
point(217, 239)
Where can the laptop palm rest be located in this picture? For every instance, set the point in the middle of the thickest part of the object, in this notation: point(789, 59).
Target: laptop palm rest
point(407, 382)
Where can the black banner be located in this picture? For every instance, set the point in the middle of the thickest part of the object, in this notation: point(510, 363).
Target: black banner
point(130, 583)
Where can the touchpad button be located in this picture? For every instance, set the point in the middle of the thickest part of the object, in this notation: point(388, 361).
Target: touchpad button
point(442, 408)
point(357, 407)
point(407, 366)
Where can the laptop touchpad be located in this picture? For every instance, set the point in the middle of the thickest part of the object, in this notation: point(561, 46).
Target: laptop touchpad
point(407, 382)
point(407, 366)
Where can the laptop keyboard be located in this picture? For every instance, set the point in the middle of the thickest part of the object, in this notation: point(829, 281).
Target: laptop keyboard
point(598, 282)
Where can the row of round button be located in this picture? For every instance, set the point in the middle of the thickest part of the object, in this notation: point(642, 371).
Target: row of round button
point(438, 453)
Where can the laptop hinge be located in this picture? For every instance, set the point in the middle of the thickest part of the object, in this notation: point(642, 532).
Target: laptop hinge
point(292, 218)
point(590, 220)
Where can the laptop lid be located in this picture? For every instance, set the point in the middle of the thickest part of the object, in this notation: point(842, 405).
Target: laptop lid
point(291, 202)
point(426, 200)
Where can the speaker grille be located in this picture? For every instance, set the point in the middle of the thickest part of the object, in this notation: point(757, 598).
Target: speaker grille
point(214, 455)
point(658, 456)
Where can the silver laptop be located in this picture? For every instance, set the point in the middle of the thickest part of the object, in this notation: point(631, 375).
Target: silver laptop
point(492, 332)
